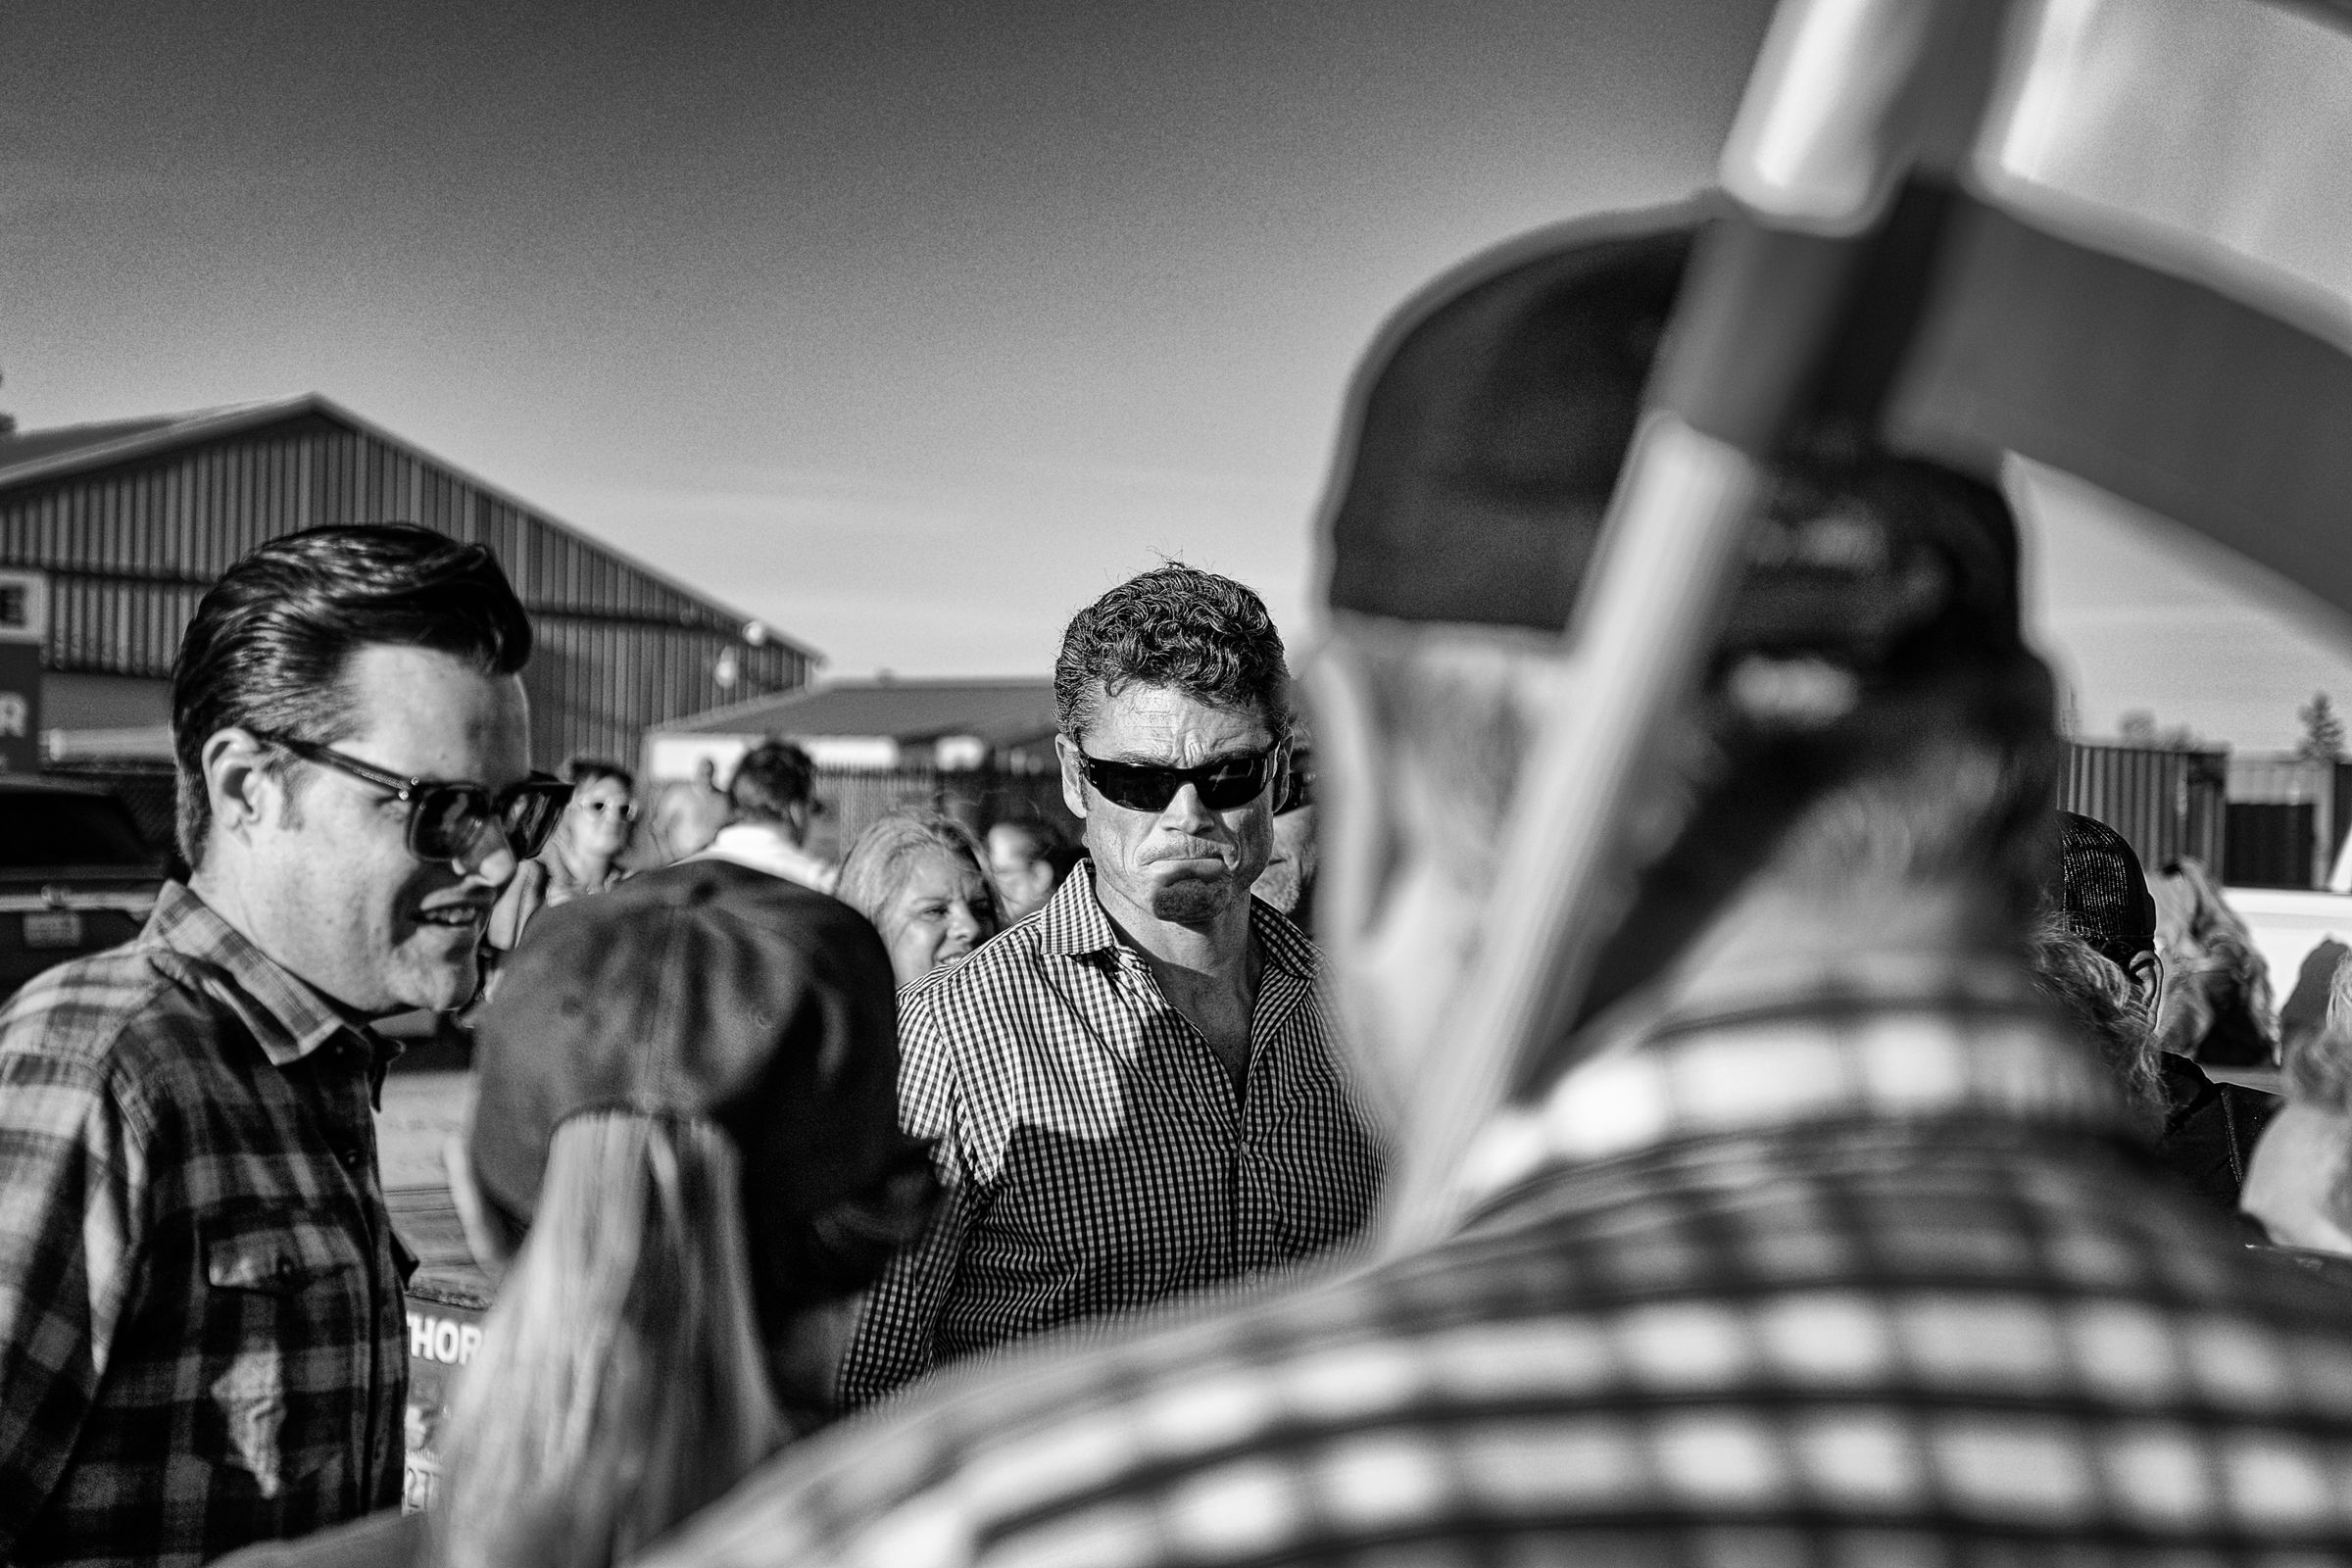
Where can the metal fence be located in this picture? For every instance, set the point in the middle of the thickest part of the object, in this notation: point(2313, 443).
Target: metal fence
point(2165, 802)
point(849, 799)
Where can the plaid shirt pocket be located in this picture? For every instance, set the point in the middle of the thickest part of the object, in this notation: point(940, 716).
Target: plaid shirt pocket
point(285, 1291)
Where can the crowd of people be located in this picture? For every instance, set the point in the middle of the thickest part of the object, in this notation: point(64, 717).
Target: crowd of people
point(991, 1196)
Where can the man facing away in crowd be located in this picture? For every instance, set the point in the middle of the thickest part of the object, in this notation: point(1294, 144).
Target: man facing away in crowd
point(1135, 1092)
point(1817, 1238)
point(772, 798)
point(203, 1339)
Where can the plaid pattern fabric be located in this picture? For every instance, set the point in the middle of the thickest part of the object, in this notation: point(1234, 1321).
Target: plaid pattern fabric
point(1894, 1291)
point(201, 1323)
point(1095, 1153)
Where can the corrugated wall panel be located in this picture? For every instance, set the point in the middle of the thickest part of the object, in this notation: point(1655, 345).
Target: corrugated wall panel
point(2165, 802)
point(132, 549)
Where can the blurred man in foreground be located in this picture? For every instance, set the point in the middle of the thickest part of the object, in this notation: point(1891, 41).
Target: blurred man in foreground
point(1134, 1092)
point(1816, 1239)
point(202, 1331)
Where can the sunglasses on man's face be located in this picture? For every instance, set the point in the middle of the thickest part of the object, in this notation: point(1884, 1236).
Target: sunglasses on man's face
point(1222, 785)
point(452, 820)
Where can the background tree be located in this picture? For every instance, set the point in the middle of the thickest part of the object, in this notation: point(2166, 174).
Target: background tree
point(2138, 727)
point(2323, 730)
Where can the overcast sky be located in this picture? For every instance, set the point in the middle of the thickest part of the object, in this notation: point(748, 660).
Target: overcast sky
point(906, 326)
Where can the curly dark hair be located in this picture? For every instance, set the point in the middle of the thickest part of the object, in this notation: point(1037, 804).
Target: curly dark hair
point(1176, 626)
point(270, 642)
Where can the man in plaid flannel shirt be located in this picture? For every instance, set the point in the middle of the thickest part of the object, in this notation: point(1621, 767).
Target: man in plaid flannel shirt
point(1820, 1242)
point(202, 1331)
point(1134, 1091)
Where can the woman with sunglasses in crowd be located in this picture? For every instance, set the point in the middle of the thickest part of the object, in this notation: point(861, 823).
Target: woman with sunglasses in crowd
point(585, 854)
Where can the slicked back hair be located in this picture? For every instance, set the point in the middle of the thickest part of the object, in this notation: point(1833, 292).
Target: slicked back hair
point(1175, 626)
point(270, 642)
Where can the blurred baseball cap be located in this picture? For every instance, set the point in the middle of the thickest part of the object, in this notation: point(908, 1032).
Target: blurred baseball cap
point(1482, 445)
point(1489, 423)
point(2102, 893)
point(709, 989)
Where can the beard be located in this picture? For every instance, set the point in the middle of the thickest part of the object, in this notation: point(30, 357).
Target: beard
point(1192, 901)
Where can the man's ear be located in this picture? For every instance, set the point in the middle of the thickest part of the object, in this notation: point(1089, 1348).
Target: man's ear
point(1073, 776)
point(486, 1233)
point(1359, 841)
point(243, 789)
point(2144, 974)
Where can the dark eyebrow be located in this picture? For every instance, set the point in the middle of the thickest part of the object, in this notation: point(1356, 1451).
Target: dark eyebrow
point(1243, 755)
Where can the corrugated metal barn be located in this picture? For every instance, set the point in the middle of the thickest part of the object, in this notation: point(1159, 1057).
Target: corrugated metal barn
point(128, 522)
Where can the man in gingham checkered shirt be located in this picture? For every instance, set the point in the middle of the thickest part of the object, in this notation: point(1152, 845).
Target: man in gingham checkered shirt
point(1822, 1242)
point(202, 1331)
point(1134, 1089)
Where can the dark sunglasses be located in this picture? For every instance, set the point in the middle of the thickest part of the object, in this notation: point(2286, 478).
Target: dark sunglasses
point(1223, 784)
point(627, 810)
point(447, 822)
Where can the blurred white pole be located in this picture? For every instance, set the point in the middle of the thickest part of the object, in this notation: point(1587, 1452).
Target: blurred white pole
point(1666, 559)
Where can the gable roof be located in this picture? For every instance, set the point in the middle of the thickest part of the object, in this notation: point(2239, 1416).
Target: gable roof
point(36, 456)
point(996, 712)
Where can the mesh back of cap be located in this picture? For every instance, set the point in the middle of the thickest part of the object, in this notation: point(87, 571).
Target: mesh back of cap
point(2106, 897)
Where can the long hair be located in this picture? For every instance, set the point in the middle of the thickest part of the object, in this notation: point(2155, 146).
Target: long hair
point(2207, 947)
point(622, 1383)
point(2095, 996)
point(2193, 918)
point(2319, 1065)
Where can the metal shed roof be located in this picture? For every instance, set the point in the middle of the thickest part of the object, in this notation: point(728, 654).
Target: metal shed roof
point(996, 712)
point(30, 458)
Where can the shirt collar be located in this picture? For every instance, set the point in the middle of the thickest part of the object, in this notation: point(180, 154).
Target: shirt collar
point(1074, 923)
point(286, 1018)
point(1886, 1046)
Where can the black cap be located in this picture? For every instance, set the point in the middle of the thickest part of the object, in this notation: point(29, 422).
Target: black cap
point(1490, 423)
point(2102, 892)
point(704, 989)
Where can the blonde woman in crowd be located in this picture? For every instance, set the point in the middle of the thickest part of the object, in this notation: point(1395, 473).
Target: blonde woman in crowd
point(584, 857)
point(2217, 990)
point(2300, 1186)
point(686, 1166)
point(923, 880)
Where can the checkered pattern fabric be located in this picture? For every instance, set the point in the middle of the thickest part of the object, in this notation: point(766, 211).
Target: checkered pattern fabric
point(1095, 1153)
point(201, 1323)
point(1924, 1304)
